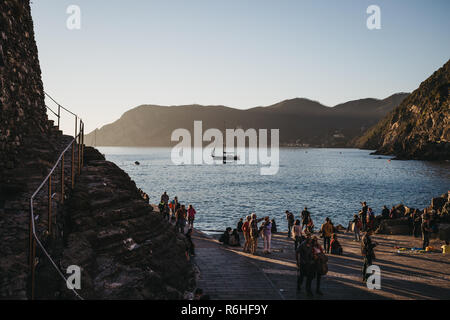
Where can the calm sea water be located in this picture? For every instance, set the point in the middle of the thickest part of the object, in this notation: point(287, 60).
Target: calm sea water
point(330, 182)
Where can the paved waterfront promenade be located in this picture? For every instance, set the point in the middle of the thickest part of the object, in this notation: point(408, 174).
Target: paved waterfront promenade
point(228, 273)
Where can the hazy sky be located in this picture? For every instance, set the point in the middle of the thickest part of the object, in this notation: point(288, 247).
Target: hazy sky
point(239, 53)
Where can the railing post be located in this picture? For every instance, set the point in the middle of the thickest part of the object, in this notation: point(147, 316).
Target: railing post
point(32, 255)
point(30, 244)
point(59, 114)
point(82, 147)
point(62, 179)
point(72, 164)
point(79, 150)
point(33, 268)
point(50, 204)
point(76, 122)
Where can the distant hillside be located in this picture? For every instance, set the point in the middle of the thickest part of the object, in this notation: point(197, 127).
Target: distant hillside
point(419, 128)
point(301, 121)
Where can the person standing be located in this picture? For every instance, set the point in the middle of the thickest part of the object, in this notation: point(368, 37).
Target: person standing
point(246, 232)
point(426, 231)
point(326, 230)
point(191, 216)
point(240, 224)
point(290, 222)
point(166, 212)
point(267, 234)
point(368, 252)
point(174, 204)
point(305, 215)
point(305, 265)
point(356, 227)
point(363, 214)
point(297, 234)
point(254, 233)
point(320, 263)
point(417, 222)
point(165, 198)
point(181, 219)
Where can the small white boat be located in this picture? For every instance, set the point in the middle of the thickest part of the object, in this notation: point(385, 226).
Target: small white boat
point(225, 156)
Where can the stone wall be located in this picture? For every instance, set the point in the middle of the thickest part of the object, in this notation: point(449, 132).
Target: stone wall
point(22, 108)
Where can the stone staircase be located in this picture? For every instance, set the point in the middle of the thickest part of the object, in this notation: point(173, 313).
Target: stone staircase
point(17, 187)
point(124, 248)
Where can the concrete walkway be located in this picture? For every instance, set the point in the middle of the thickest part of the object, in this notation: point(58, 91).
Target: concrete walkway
point(227, 273)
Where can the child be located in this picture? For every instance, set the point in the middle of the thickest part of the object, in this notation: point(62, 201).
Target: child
point(446, 248)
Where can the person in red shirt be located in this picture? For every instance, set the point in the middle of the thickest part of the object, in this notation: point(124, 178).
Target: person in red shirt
point(191, 216)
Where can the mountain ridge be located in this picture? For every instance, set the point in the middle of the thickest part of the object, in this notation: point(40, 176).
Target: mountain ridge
point(301, 121)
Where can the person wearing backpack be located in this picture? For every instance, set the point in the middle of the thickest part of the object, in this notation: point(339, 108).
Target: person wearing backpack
point(181, 219)
point(305, 265)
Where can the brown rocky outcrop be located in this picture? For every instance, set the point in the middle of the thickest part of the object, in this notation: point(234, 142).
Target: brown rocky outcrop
point(419, 128)
point(125, 249)
point(439, 210)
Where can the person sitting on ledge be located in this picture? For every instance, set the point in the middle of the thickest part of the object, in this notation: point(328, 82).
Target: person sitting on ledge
point(225, 238)
point(335, 246)
point(234, 239)
point(385, 213)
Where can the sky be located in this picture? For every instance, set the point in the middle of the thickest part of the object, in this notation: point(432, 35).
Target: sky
point(238, 53)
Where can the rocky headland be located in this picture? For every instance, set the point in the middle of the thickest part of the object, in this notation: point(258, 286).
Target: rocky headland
point(419, 128)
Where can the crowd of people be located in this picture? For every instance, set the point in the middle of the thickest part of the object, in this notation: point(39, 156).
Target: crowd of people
point(182, 218)
point(310, 255)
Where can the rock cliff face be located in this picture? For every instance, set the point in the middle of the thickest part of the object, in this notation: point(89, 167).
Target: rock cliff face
point(125, 250)
point(420, 127)
point(29, 143)
point(23, 114)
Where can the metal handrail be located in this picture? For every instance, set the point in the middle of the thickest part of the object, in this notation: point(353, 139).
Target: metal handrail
point(34, 239)
point(52, 111)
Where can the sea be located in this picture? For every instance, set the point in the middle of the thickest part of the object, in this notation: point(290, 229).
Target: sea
point(329, 182)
